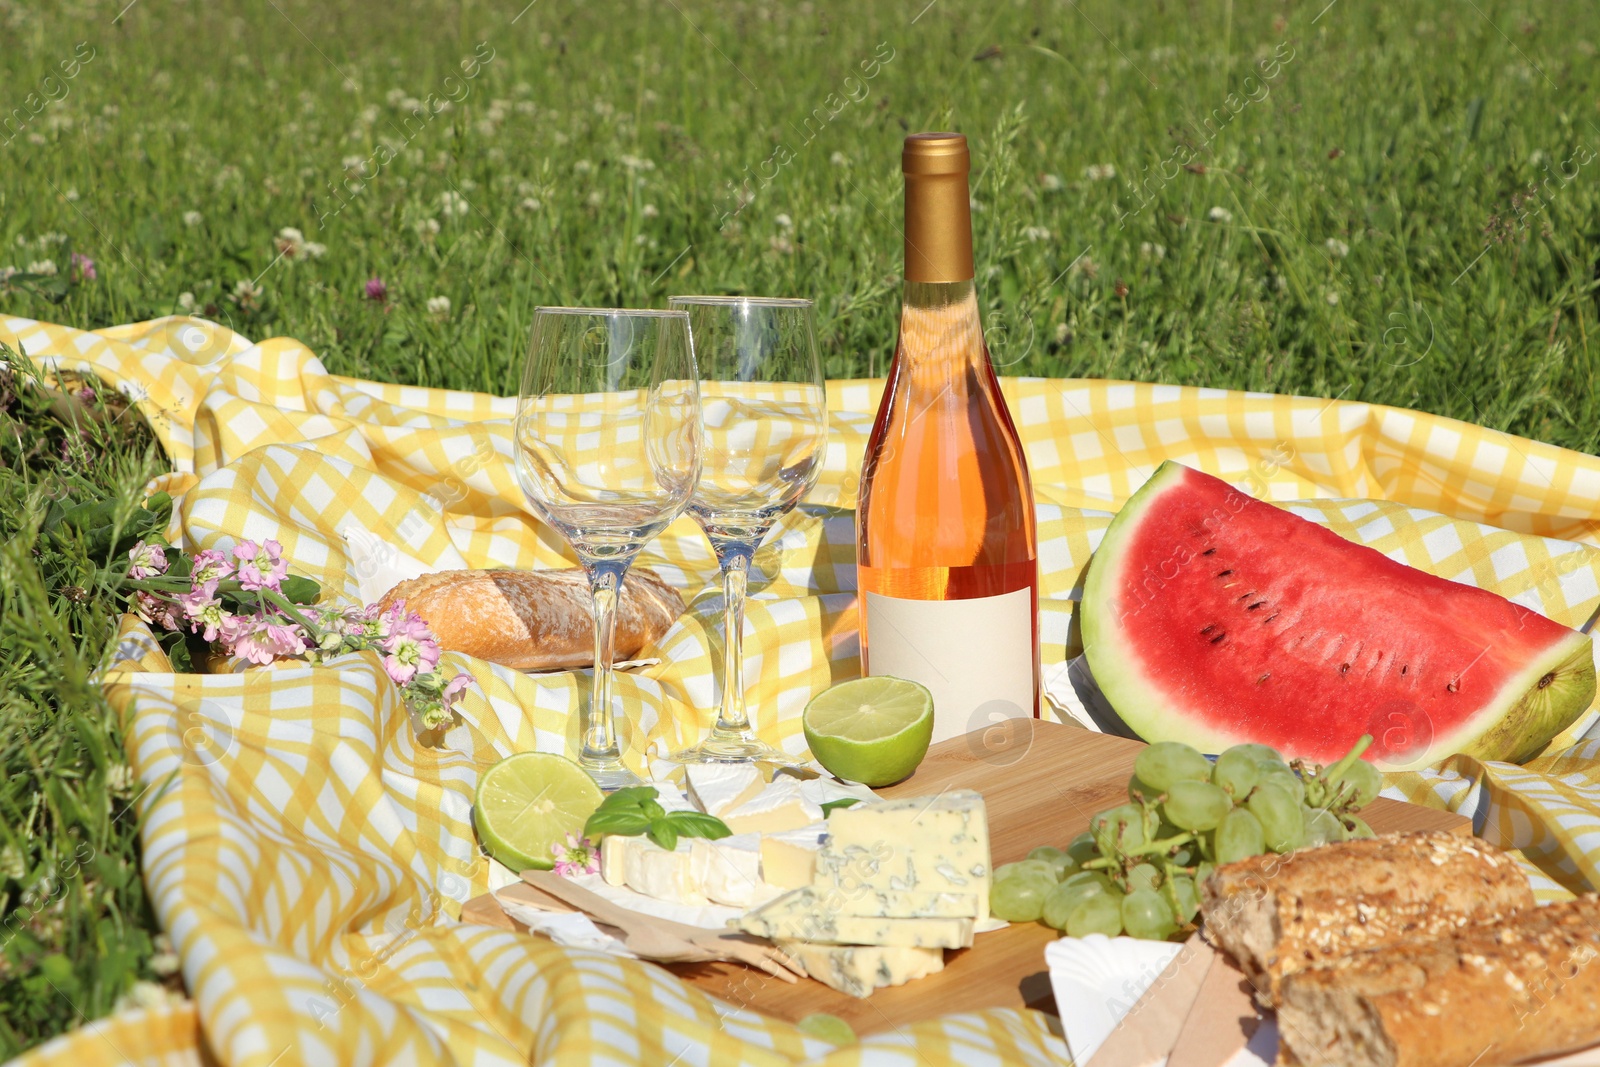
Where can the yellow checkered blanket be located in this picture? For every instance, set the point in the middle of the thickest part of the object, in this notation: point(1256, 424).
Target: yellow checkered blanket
point(308, 856)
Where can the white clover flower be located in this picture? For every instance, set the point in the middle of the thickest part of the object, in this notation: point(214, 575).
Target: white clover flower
point(42, 266)
point(394, 96)
point(781, 245)
point(428, 228)
point(71, 196)
point(595, 199)
point(439, 307)
point(452, 204)
point(186, 301)
point(1036, 233)
point(784, 222)
point(410, 103)
point(525, 107)
point(582, 166)
point(487, 127)
point(52, 238)
point(636, 163)
point(1332, 298)
point(369, 114)
point(247, 294)
point(120, 778)
point(192, 218)
point(1153, 251)
point(352, 162)
point(531, 203)
point(1219, 214)
point(839, 159)
point(1100, 172)
point(315, 250)
point(1051, 183)
point(650, 211)
point(291, 243)
point(1337, 248)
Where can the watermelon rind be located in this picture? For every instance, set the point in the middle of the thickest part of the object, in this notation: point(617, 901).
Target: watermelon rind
point(1532, 713)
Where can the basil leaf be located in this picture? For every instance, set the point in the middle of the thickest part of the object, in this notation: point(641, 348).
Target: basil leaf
point(631, 797)
point(833, 805)
point(663, 833)
point(621, 823)
point(300, 590)
point(652, 810)
point(697, 824)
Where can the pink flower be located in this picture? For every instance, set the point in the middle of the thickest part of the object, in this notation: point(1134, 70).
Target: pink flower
point(204, 611)
point(210, 566)
point(83, 267)
point(146, 561)
point(376, 290)
point(260, 566)
point(453, 689)
point(287, 638)
point(409, 644)
point(157, 611)
point(577, 856)
point(259, 641)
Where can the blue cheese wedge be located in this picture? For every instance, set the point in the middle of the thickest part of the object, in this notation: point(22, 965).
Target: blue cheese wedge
point(933, 847)
point(857, 970)
point(808, 915)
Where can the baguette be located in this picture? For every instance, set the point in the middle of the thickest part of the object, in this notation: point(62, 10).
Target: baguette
point(1486, 994)
point(534, 620)
point(1276, 915)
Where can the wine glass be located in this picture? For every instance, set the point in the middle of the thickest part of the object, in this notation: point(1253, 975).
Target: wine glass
point(610, 467)
point(765, 416)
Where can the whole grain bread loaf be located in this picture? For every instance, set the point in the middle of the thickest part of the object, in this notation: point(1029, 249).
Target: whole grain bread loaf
point(534, 620)
point(1485, 994)
point(1276, 915)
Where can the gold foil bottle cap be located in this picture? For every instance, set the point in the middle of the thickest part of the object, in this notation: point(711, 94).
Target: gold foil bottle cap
point(938, 209)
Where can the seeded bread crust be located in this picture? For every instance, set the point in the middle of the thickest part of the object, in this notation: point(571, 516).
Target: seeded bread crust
point(534, 620)
point(1276, 915)
point(1486, 994)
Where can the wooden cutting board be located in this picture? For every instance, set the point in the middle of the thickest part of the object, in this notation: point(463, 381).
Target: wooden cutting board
point(1041, 781)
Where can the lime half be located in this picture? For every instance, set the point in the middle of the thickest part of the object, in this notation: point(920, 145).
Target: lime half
point(870, 730)
point(529, 802)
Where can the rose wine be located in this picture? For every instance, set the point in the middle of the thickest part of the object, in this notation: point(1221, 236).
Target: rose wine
point(946, 547)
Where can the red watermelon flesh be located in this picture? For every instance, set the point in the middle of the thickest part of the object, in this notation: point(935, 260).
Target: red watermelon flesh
point(1213, 618)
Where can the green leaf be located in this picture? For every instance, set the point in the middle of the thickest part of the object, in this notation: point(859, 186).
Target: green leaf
point(834, 805)
point(299, 590)
point(620, 823)
point(663, 833)
point(631, 797)
point(652, 810)
point(697, 824)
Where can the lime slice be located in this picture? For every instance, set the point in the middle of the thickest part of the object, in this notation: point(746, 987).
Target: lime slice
point(828, 1028)
point(870, 730)
point(528, 802)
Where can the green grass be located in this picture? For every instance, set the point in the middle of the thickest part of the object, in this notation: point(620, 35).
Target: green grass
point(1353, 225)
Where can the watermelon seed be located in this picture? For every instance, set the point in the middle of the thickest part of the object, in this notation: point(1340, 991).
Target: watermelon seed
point(1269, 618)
point(1404, 667)
point(1263, 678)
point(1209, 627)
point(1344, 668)
point(1453, 686)
point(1217, 638)
point(1546, 680)
point(1209, 552)
point(1256, 605)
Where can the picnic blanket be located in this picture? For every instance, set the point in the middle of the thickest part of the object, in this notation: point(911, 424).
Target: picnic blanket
point(308, 856)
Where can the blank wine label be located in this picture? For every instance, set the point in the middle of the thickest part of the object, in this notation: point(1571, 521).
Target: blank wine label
point(975, 656)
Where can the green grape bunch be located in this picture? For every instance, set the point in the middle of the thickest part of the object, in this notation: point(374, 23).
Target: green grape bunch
point(1138, 868)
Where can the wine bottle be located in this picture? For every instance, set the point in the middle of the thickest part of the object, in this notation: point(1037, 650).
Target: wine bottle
point(946, 546)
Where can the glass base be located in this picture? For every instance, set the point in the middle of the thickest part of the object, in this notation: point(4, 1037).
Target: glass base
point(610, 775)
point(734, 748)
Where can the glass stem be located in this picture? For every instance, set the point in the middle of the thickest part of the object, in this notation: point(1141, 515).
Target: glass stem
point(599, 733)
point(733, 719)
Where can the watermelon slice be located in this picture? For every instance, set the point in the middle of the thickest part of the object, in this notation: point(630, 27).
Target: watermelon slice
point(1212, 618)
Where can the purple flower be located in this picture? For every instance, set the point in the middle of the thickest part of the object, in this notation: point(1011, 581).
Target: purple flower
point(577, 856)
point(146, 561)
point(204, 610)
point(260, 566)
point(83, 267)
point(211, 566)
point(157, 611)
point(377, 290)
point(409, 645)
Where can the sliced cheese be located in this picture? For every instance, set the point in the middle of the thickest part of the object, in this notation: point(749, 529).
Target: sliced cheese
point(728, 871)
point(645, 867)
point(806, 915)
point(789, 857)
point(857, 970)
point(826, 790)
point(781, 806)
point(926, 845)
point(720, 787)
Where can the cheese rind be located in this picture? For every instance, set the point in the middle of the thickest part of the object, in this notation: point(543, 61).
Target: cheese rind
point(728, 870)
point(721, 787)
point(645, 867)
point(781, 806)
point(923, 845)
point(857, 970)
point(807, 915)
